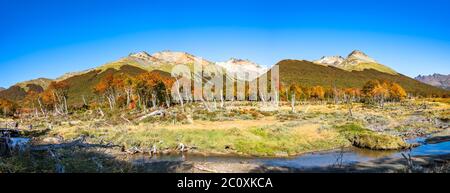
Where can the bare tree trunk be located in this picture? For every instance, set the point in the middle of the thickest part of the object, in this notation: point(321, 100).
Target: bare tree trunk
point(205, 104)
point(57, 110)
point(293, 103)
point(65, 105)
point(110, 101)
point(222, 103)
point(262, 98)
point(275, 99)
point(179, 95)
point(128, 92)
point(40, 106)
point(215, 104)
point(168, 102)
point(139, 101)
point(153, 100)
point(101, 112)
point(84, 101)
point(350, 107)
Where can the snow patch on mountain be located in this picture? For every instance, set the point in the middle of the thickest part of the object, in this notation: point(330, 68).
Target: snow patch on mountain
point(244, 69)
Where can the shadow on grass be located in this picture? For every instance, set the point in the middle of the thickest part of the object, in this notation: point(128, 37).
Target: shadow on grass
point(83, 158)
point(35, 133)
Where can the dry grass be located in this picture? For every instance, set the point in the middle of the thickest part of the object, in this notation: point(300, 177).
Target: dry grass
point(245, 129)
point(250, 137)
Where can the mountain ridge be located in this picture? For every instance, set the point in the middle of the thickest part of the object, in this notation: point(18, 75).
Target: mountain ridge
point(166, 60)
point(324, 73)
point(438, 80)
point(310, 74)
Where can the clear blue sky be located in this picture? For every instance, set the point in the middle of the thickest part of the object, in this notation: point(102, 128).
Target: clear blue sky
point(47, 38)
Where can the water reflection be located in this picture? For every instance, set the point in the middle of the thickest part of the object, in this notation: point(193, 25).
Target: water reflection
point(319, 159)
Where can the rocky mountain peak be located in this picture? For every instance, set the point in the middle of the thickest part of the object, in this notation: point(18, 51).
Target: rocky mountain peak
point(143, 56)
point(179, 58)
point(357, 57)
point(357, 52)
point(242, 62)
point(355, 61)
point(140, 54)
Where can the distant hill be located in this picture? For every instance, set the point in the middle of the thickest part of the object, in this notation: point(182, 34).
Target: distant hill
point(1, 88)
point(19, 91)
point(310, 74)
point(438, 80)
point(83, 84)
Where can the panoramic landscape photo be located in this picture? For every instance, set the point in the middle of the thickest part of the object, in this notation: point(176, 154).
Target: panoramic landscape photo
point(224, 86)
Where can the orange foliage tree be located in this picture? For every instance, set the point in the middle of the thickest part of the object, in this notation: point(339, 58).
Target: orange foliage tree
point(397, 92)
point(109, 87)
point(154, 88)
point(380, 91)
point(317, 92)
point(56, 95)
point(7, 108)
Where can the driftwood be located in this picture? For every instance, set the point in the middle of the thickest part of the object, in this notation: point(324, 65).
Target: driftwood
point(134, 150)
point(154, 150)
point(77, 142)
point(100, 111)
point(154, 113)
point(125, 119)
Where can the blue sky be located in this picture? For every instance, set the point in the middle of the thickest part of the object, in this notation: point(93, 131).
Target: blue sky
point(47, 38)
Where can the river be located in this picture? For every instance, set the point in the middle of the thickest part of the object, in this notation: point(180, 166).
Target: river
point(306, 161)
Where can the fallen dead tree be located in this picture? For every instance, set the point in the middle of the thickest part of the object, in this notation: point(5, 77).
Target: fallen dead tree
point(125, 119)
point(152, 114)
point(79, 142)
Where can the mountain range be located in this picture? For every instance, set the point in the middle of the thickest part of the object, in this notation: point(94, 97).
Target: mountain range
point(438, 80)
point(329, 71)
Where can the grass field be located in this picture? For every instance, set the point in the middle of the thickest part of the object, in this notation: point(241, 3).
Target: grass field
point(245, 130)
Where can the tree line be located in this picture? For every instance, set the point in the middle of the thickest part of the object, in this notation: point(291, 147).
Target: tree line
point(152, 90)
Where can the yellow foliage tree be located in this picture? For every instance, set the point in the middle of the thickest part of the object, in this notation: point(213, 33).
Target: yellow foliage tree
point(318, 92)
point(397, 92)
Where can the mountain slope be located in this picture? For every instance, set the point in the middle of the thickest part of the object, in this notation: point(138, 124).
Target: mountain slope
point(310, 74)
point(83, 85)
point(166, 60)
point(355, 61)
point(438, 80)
